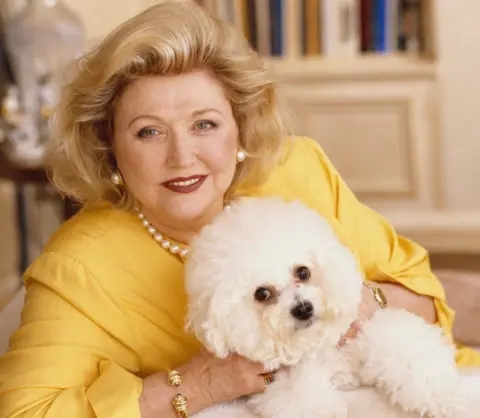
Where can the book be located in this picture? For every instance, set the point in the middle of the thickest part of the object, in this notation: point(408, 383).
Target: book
point(326, 28)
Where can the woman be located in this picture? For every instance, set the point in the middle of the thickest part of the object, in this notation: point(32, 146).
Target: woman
point(172, 115)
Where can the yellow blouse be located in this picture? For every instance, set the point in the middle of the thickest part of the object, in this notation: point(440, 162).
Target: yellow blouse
point(105, 303)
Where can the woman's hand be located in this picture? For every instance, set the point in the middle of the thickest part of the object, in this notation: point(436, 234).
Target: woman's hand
point(368, 306)
point(222, 380)
point(206, 381)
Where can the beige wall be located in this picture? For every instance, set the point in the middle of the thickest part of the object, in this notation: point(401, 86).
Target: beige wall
point(99, 17)
point(459, 69)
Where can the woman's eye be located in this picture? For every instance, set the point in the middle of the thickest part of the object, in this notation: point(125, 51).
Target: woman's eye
point(204, 125)
point(147, 132)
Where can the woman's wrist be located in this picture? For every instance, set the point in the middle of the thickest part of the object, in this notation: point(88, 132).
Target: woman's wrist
point(157, 395)
point(399, 296)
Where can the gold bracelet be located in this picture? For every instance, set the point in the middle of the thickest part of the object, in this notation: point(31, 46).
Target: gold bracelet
point(378, 295)
point(179, 402)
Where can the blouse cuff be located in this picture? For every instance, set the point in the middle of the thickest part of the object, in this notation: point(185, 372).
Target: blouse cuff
point(116, 392)
point(445, 317)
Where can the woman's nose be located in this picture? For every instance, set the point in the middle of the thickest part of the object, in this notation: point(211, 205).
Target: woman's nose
point(181, 150)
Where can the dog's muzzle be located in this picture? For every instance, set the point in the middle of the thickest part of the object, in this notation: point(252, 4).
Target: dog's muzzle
point(303, 310)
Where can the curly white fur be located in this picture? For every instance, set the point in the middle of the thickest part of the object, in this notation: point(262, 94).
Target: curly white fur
point(261, 243)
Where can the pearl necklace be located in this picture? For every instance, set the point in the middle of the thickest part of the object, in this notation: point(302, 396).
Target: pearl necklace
point(164, 242)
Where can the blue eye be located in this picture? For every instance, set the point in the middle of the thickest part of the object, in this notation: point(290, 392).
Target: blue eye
point(204, 125)
point(147, 132)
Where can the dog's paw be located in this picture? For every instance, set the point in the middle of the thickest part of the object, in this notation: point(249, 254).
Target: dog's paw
point(451, 405)
point(428, 402)
point(411, 364)
point(345, 381)
point(440, 409)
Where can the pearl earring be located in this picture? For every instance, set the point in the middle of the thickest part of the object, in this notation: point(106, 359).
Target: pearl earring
point(116, 179)
point(241, 156)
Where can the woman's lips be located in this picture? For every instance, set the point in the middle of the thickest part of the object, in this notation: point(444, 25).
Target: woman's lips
point(184, 184)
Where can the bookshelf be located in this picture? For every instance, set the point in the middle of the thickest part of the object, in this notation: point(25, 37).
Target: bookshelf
point(366, 67)
point(324, 29)
point(361, 78)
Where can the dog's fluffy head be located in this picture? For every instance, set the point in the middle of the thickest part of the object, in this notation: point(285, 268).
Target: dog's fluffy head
point(270, 280)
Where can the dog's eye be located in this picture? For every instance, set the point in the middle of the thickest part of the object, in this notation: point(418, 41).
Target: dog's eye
point(262, 294)
point(302, 273)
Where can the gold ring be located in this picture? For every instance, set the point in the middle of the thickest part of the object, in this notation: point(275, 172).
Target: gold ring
point(268, 378)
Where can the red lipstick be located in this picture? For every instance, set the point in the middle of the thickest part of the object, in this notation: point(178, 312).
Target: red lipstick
point(184, 184)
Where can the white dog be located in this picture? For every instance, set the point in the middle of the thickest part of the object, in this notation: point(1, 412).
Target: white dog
point(271, 281)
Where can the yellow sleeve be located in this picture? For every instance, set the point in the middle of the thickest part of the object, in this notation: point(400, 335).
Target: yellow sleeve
point(69, 357)
point(384, 254)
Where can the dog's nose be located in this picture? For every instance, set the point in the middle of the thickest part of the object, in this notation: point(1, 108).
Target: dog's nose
point(302, 311)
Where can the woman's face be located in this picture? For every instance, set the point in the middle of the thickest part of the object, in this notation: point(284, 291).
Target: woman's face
point(175, 142)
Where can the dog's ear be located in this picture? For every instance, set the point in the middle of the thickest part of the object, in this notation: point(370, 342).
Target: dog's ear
point(201, 321)
point(341, 280)
point(215, 343)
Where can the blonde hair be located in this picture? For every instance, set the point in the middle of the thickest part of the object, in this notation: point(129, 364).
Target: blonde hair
point(172, 37)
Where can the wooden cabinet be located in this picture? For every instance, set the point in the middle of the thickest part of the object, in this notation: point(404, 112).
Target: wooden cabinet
point(373, 116)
